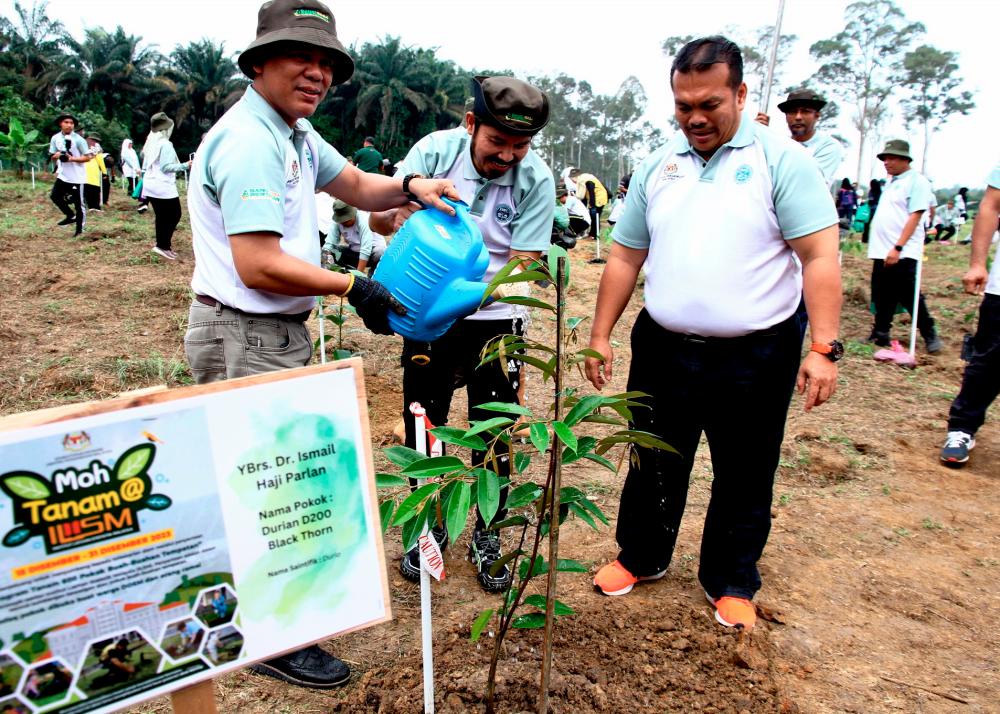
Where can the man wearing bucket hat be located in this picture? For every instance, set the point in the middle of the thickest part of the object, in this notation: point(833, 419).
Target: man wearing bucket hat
point(511, 196)
point(360, 247)
point(69, 150)
point(802, 110)
point(896, 243)
point(254, 227)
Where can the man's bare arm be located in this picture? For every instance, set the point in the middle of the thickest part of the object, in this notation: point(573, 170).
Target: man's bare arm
point(983, 229)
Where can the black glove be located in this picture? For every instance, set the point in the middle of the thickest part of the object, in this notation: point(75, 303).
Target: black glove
point(373, 302)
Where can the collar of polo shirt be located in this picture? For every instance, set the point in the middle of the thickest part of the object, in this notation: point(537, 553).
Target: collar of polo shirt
point(744, 136)
point(278, 125)
point(469, 170)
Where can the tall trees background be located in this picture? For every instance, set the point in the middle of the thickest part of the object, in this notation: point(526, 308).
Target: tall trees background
point(877, 64)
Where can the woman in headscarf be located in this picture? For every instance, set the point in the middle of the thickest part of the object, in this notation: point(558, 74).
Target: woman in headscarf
point(160, 167)
point(130, 165)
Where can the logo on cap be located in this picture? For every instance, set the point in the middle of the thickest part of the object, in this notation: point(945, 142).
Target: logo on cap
point(303, 12)
point(519, 118)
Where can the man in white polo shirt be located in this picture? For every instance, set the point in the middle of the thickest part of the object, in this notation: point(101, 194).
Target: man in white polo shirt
point(981, 382)
point(511, 196)
point(896, 243)
point(802, 110)
point(254, 228)
point(70, 152)
point(716, 217)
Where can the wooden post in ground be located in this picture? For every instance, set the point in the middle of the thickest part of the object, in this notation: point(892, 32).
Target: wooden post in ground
point(196, 699)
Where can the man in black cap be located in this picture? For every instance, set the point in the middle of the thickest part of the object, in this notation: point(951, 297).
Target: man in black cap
point(69, 150)
point(802, 110)
point(253, 223)
point(511, 196)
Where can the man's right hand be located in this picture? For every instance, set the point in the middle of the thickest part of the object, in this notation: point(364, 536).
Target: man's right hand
point(599, 371)
point(763, 118)
point(429, 192)
point(373, 302)
point(974, 281)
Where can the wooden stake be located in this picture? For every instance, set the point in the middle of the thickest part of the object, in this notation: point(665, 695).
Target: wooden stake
point(196, 699)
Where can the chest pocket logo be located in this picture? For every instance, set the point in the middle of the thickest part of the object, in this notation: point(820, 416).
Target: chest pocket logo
point(743, 174)
point(504, 214)
point(294, 174)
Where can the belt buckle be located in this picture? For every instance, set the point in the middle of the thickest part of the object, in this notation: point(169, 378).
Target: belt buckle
point(696, 339)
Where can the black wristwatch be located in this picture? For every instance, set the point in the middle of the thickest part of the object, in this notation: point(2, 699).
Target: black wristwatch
point(833, 351)
point(406, 186)
point(897, 247)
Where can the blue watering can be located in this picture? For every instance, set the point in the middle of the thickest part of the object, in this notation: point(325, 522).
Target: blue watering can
point(434, 267)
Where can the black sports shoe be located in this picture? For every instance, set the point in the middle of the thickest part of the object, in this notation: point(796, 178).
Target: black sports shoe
point(484, 552)
point(409, 566)
point(67, 221)
point(879, 338)
point(307, 667)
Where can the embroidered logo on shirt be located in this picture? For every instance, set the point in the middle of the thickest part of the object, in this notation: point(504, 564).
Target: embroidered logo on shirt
point(296, 173)
point(670, 173)
point(504, 214)
point(743, 173)
point(309, 158)
point(260, 194)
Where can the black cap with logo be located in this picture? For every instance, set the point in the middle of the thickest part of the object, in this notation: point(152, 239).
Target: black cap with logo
point(510, 105)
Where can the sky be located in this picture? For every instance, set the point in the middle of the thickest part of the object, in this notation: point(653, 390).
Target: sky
point(604, 43)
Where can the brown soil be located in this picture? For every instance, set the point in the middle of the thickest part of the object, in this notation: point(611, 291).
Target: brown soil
point(879, 577)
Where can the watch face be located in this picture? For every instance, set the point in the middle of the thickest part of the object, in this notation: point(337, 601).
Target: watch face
point(836, 350)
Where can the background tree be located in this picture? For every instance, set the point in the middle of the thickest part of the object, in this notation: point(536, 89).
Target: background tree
point(861, 63)
point(933, 92)
point(756, 48)
point(33, 45)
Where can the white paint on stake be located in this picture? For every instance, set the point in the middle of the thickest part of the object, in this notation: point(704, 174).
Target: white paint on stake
point(427, 641)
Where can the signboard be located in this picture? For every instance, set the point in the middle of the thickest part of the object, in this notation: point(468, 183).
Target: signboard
point(151, 542)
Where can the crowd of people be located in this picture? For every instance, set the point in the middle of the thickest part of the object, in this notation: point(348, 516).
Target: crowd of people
point(736, 227)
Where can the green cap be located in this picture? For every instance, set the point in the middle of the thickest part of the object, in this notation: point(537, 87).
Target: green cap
point(342, 212)
point(896, 147)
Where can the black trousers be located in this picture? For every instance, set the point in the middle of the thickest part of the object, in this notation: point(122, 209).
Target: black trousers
point(595, 220)
point(92, 197)
point(132, 181)
point(981, 382)
point(737, 392)
point(894, 285)
point(168, 215)
point(578, 225)
point(944, 232)
point(451, 364)
point(349, 259)
point(69, 198)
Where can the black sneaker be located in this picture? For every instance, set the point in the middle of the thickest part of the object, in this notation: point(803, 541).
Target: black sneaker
point(308, 667)
point(409, 566)
point(879, 338)
point(484, 552)
point(933, 343)
point(67, 221)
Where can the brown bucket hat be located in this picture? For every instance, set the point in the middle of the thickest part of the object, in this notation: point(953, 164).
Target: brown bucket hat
point(510, 104)
point(896, 147)
point(802, 98)
point(160, 122)
point(307, 21)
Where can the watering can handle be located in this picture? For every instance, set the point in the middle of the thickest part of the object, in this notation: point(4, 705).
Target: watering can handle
point(454, 204)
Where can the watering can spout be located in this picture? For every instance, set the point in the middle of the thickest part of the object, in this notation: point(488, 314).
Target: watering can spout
point(464, 299)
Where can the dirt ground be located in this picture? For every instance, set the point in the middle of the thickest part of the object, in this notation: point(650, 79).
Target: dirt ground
point(879, 577)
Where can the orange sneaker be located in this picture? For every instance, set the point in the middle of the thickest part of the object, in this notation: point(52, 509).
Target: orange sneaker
point(734, 612)
point(613, 579)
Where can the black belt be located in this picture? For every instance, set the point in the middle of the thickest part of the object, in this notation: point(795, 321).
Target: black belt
point(297, 317)
point(703, 340)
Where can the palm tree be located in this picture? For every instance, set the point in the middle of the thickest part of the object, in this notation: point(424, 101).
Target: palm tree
point(36, 44)
point(109, 71)
point(206, 79)
point(388, 72)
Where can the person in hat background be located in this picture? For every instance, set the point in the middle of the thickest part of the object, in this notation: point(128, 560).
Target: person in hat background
point(803, 110)
point(360, 247)
point(130, 165)
point(981, 381)
point(368, 158)
point(714, 218)
point(592, 193)
point(847, 203)
point(896, 243)
point(254, 228)
point(97, 170)
point(69, 150)
point(578, 215)
point(160, 167)
point(511, 197)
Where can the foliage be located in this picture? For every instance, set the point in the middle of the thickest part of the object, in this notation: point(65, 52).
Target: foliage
point(17, 143)
point(449, 488)
point(933, 92)
point(860, 64)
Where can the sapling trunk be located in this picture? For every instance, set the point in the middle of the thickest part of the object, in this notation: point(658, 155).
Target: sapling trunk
point(556, 480)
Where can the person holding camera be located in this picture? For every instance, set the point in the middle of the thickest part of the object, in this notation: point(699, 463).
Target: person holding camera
point(69, 150)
